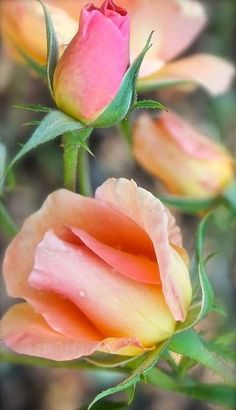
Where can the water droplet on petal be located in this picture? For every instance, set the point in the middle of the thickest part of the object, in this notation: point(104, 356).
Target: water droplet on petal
point(82, 293)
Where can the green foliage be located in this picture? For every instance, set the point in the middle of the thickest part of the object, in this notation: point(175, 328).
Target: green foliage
point(125, 97)
point(52, 48)
point(55, 123)
point(148, 362)
point(191, 345)
point(215, 393)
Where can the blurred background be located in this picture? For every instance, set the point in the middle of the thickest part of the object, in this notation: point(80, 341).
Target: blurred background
point(37, 174)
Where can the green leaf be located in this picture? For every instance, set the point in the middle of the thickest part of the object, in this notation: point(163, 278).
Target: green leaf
point(150, 359)
point(229, 197)
point(6, 223)
point(188, 205)
point(123, 100)
point(52, 48)
point(55, 123)
point(190, 344)
point(148, 104)
point(32, 107)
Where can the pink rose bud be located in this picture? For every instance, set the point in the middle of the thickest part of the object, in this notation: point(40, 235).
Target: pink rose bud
point(90, 71)
point(105, 274)
point(187, 162)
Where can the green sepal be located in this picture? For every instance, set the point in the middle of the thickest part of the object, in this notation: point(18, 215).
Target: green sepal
point(122, 103)
point(148, 105)
point(55, 123)
point(149, 360)
point(109, 361)
point(199, 308)
point(52, 48)
point(188, 205)
point(191, 345)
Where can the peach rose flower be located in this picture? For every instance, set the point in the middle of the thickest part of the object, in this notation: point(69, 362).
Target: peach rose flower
point(106, 274)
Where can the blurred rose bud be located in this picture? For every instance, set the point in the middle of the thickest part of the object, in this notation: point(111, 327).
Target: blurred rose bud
point(187, 162)
point(90, 71)
point(21, 18)
point(106, 274)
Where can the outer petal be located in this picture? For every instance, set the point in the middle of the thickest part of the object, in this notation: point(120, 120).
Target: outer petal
point(151, 215)
point(211, 72)
point(26, 332)
point(114, 304)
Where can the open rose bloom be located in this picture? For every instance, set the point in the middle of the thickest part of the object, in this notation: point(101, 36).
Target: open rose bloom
point(107, 274)
point(187, 162)
point(177, 23)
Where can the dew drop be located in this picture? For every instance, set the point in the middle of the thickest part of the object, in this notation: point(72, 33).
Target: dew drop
point(82, 293)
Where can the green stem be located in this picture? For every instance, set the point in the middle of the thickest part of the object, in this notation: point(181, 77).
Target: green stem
point(6, 222)
point(71, 148)
point(75, 146)
point(126, 130)
point(84, 173)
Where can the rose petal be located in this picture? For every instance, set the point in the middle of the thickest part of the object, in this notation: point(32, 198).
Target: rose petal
point(114, 304)
point(211, 72)
point(136, 267)
point(176, 24)
point(26, 332)
point(147, 211)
